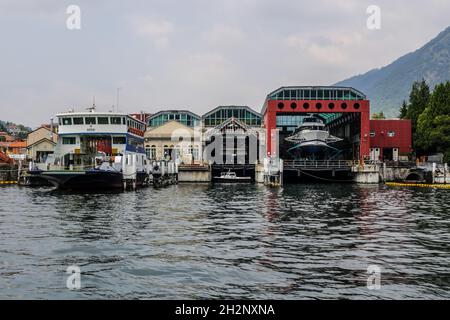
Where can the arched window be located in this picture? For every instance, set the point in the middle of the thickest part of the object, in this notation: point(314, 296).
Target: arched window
point(177, 153)
point(151, 152)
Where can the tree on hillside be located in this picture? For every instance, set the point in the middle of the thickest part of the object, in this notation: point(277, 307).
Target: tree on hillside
point(378, 116)
point(418, 101)
point(433, 127)
point(403, 110)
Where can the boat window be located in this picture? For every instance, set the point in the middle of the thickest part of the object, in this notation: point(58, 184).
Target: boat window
point(116, 120)
point(123, 121)
point(68, 140)
point(78, 121)
point(67, 121)
point(90, 120)
point(119, 140)
point(103, 120)
point(135, 142)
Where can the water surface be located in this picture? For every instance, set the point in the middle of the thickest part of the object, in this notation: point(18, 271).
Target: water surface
point(194, 241)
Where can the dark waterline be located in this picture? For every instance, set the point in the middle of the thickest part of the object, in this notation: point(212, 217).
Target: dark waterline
point(231, 241)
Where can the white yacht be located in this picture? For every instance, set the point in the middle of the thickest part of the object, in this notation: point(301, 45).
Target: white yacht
point(312, 136)
point(96, 150)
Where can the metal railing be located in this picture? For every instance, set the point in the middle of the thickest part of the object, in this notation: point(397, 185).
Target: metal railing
point(318, 164)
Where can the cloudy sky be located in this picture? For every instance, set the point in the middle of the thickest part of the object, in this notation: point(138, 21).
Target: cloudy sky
point(193, 54)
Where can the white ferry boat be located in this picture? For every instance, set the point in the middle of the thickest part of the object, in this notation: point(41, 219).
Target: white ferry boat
point(96, 150)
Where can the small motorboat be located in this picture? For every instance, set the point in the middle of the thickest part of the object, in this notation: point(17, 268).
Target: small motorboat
point(231, 177)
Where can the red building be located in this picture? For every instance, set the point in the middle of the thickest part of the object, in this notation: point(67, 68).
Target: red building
point(349, 104)
point(143, 116)
point(390, 139)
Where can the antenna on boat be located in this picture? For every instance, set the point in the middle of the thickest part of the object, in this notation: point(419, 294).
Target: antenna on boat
point(117, 99)
point(92, 109)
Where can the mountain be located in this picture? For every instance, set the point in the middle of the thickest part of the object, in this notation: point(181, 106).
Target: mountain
point(387, 87)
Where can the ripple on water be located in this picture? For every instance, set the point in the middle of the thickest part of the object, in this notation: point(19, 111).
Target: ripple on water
point(200, 241)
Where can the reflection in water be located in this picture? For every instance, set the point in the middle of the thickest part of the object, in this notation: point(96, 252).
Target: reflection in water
point(226, 241)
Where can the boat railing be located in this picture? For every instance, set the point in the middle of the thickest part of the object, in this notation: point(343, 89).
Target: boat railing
point(318, 164)
point(54, 167)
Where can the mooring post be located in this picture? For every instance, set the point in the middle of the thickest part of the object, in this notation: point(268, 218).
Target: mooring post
point(19, 171)
point(433, 172)
point(445, 173)
point(281, 171)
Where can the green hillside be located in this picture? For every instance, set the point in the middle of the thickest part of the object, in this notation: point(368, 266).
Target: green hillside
point(387, 87)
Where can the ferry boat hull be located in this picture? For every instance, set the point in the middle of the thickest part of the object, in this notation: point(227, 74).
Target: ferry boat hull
point(87, 180)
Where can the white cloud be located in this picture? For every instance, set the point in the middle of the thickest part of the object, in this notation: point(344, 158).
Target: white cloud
point(336, 49)
point(157, 29)
point(224, 36)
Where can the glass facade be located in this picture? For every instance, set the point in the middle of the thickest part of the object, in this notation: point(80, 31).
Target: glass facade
point(316, 93)
point(184, 117)
point(330, 117)
point(290, 122)
point(221, 114)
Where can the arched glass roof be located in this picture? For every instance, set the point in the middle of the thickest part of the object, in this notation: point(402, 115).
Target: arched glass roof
point(223, 113)
point(316, 93)
point(183, 116)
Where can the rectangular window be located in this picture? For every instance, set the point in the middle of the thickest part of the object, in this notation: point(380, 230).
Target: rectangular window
point(90, 120)
point(103, 120)
point(67, 121)
point(68, 140)
point(78, 121)
point(119, 140)
point(391, 134)
point(307, 94)
point(116, 120)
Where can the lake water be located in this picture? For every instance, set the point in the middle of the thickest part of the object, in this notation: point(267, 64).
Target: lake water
point(193, 241)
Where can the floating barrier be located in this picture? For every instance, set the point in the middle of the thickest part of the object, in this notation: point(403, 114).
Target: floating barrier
point(418, 185)
point(8, 182)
